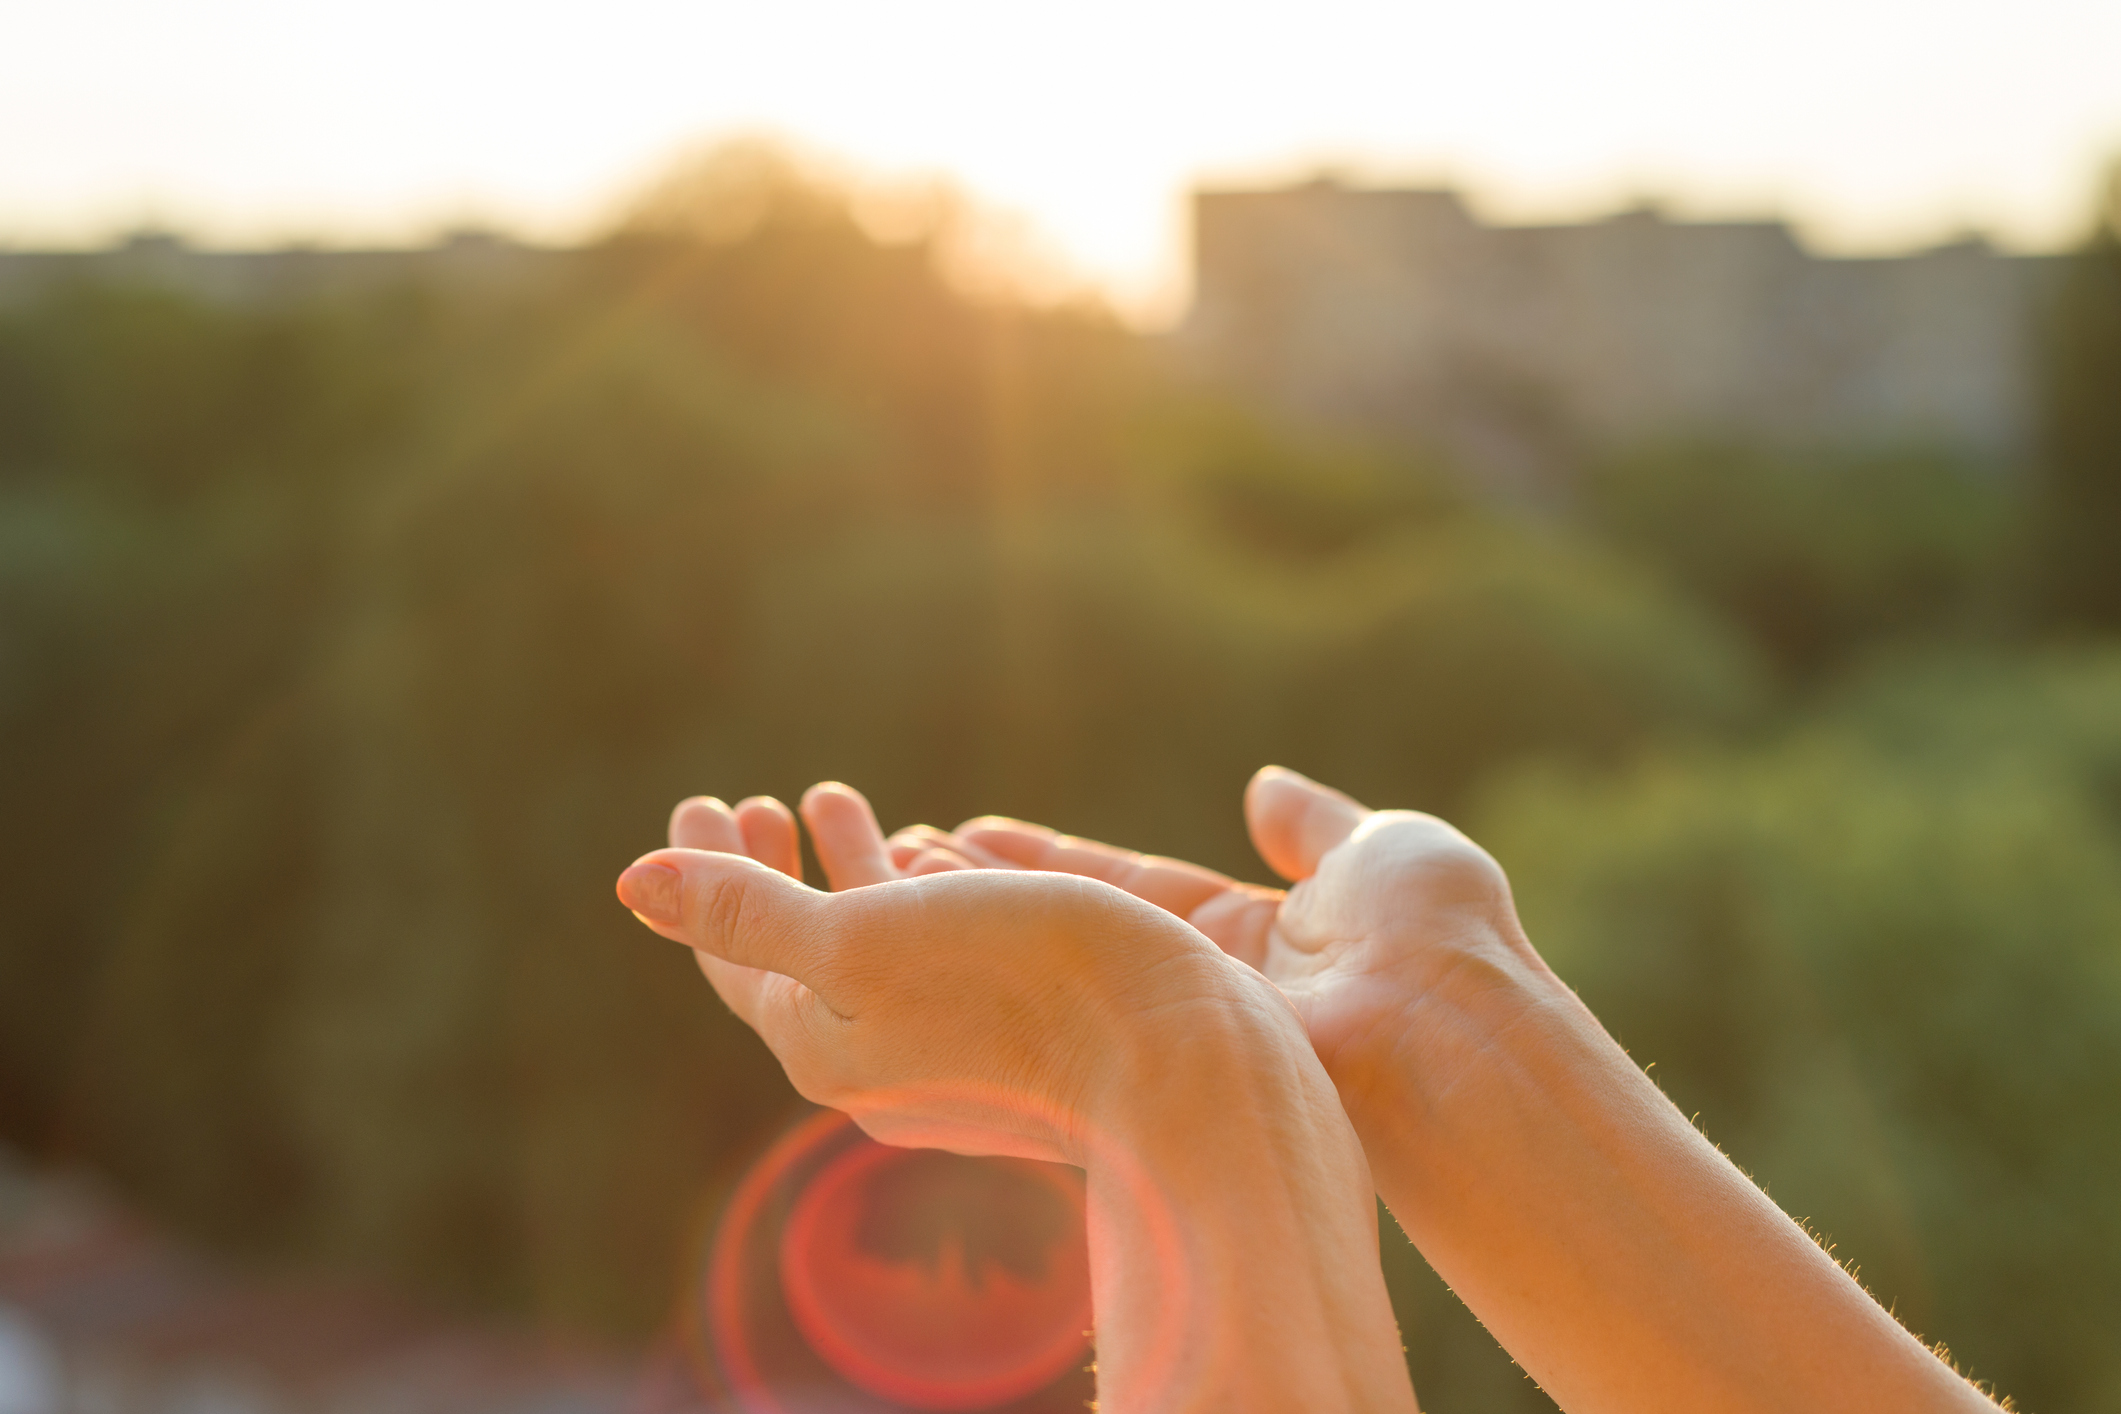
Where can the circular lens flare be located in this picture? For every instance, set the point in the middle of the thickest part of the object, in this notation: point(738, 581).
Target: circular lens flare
point(880, 1278)
point(937, 1281)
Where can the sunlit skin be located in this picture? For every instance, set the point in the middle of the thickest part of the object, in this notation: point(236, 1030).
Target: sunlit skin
point(1233, 1238)
point(1624, 1262)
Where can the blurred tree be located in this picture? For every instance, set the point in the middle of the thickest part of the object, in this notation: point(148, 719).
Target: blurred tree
point(1276, 493)
point(2079, 520)
point(1815, 556)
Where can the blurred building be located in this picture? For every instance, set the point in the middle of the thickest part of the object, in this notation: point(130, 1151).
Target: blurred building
point(1515, 349)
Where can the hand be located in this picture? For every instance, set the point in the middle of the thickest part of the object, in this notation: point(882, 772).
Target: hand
point(1621, 1259)
point(979, 1011)
point(850, 847)
point(1232, 1227)
point(1391, 909)
point(1388, 908)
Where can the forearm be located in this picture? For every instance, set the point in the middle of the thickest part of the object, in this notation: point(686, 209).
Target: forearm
point(1234, 1242)
point(1619, 1257)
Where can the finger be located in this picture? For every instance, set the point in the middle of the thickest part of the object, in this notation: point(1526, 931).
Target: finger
point(843, 831)
point(702, 822)
point(907, 844)
point(938, 860)
point(736, 909)
point(769, 834)
point(1020, 842)
point(1294, 820)
point(980, 858)
point(1238, 921)
point(1171, 884)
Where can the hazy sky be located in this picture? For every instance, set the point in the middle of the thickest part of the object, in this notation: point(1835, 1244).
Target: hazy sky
point(1873, 123)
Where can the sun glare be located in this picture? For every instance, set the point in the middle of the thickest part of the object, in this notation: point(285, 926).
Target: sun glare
point(1873, 123)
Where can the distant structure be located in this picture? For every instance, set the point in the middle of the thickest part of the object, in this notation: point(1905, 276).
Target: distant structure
point(1515, 350)
point(462, 259)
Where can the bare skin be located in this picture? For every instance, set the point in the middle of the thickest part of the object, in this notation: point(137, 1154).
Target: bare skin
point(1624, 1262)
point(1232, 1232)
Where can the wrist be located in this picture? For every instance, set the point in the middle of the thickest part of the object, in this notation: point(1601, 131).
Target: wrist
point(1450, 1014)
point(1235, 1069)
point(1233, 1228)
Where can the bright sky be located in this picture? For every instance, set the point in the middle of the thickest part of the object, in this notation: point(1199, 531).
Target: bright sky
point(1872, 123)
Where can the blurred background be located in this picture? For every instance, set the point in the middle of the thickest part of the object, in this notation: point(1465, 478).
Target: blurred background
point(1683, 448)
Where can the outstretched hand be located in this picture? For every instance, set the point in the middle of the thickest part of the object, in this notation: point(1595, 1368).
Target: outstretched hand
point(904, 1004)
point(1611, 1249)
point(1385, 903)
point(1044, 1016)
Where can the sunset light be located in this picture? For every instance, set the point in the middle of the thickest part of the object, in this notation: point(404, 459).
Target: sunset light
point(1873, 124)
point(926, 707)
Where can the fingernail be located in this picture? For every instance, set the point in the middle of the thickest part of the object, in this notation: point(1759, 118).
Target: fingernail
point(651, 890)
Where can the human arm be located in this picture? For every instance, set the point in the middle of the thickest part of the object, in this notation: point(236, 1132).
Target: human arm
point(1233, 1237)
point(1621, 1259)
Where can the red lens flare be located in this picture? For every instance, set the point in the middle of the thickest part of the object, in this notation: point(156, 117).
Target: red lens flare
point(851, 1275)
point(937, 1281)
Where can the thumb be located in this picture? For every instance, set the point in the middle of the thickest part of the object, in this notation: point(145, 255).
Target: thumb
point(1295, 820)
point(735, 909)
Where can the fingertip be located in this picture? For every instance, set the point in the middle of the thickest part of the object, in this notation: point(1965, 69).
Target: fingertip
point(829, 789)
point(728, 905)
point(834, 801)
point(1001, 823)
point(1294, 820)
point(936, 859)
point(653, 891)
point(698, 873)
point(843, 830)
point(1268, 779)
point(769, 832)
point(767, 803)
point(1005, 842)
point(693, 803)
point(704, 822)
point(906, 845)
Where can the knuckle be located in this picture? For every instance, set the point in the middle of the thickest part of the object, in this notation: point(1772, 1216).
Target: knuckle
point(718, 907)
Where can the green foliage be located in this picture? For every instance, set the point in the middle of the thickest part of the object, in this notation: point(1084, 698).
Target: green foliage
point(1814, 556)
point(1282, 495)
point(2079, 517)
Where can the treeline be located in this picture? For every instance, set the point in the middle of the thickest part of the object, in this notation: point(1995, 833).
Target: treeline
point(349, 646)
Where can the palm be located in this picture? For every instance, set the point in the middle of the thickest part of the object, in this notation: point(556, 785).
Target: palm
point(1346, 944)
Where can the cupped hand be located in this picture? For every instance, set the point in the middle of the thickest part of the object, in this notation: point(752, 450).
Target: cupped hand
point(1395, 919)
point(979, 1011)
point(843, 829)
point(1391, 910)
point(1617, 1255)
point(1233, 1238)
